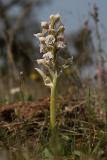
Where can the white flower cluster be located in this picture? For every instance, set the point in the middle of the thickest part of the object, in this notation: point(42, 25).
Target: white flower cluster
point(51, 38)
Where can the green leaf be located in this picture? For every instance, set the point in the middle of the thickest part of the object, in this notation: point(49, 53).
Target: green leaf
point(46, 79)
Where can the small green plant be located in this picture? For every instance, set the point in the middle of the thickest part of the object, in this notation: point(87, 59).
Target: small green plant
point(52, 42)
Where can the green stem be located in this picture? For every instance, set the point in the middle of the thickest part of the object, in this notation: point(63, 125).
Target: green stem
point(53, 102)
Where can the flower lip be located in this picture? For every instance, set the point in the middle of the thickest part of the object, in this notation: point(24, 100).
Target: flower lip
point(42, 47)
point(42, 39)
point(48, 55)
point(50, 40)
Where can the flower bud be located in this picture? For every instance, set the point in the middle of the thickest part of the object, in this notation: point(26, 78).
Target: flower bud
point(40, 61)
point(57, 17)
point(44, 25)
point(61, 29)
point(52, 17)
point(61, 44)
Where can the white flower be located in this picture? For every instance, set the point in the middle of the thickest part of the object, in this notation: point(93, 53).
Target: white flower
point(42, 39)
point(46, 58)
point(42, 48)
point(60, 41)
point(48, 55)
point(43, 61)
point(40, 61)
point(50, 40)
point(61, 44)
point(45, 25)
point(14, 90)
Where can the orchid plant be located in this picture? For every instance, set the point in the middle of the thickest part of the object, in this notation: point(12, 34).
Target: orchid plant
point(52, 41)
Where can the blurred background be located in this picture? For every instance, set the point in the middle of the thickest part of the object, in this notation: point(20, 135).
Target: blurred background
point(86, 36)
